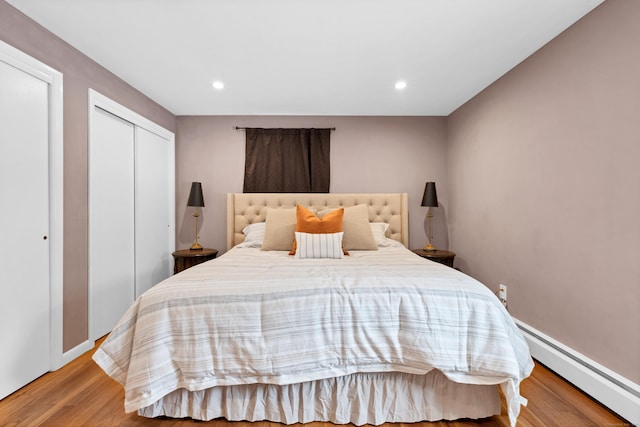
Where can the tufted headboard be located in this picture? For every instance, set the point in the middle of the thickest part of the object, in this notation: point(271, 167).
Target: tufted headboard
point(247, 208)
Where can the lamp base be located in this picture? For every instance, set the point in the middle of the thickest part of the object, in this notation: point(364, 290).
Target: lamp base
point(196, 246)
point(430, 247)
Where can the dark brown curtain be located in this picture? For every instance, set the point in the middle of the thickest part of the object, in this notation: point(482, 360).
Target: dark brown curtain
point(287, 161)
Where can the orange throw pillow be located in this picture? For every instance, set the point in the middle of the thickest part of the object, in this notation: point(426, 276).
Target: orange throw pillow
point(308, 222)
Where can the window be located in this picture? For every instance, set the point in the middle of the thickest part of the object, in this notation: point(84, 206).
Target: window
point(287, 161)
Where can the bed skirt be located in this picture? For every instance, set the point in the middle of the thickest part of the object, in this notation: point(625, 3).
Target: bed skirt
point(365, 398)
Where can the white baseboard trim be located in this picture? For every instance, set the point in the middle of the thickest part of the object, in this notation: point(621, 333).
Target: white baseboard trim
point(77, 351)
point(614, 391)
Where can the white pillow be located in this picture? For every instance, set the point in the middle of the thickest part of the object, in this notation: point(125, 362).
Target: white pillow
point(319, 245)
point(379, 230)
point(253, 235)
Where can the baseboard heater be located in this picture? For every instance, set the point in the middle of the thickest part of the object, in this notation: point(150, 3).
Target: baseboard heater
point(614, 391)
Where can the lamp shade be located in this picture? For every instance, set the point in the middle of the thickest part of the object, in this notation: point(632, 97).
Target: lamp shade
point(195, 196)
point(430, 197)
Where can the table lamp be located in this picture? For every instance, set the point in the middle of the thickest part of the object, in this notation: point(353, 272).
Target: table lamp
point(196, 199)
point(430, 199)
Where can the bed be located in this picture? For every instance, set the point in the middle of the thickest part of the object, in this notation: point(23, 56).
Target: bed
point(378, 335)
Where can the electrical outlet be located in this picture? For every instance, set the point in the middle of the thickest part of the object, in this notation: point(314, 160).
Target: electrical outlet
point(502, 293)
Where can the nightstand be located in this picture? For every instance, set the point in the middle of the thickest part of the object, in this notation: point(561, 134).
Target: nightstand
point(443, 257)
point(186, 258)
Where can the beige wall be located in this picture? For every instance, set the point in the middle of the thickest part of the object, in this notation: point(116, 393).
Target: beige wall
point(368, 154)
point(80, 74)
point(544, 187)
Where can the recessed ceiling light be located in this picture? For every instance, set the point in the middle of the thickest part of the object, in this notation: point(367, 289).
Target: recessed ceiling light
point(401, 85)
point(218, 85)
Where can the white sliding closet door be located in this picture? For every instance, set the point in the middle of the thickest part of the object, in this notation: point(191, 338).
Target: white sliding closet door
point(24, 228)
point(154, 209)
point(131, 209)
point(111, 227)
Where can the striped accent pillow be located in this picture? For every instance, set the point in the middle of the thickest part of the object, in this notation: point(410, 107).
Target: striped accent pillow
point(319, 245)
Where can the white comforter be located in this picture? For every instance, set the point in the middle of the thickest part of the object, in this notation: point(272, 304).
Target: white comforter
point(252, 316)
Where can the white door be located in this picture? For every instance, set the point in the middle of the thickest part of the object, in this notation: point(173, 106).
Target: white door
point(154, 211)
point(131, 209)
point(24, 228)
point(111, 226)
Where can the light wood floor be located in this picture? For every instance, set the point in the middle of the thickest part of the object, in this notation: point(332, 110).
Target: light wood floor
point(80, 394)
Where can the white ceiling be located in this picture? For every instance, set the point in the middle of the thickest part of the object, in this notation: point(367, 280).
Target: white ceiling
point(308, 57)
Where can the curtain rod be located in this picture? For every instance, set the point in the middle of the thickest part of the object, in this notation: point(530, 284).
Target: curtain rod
point(244, 128)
